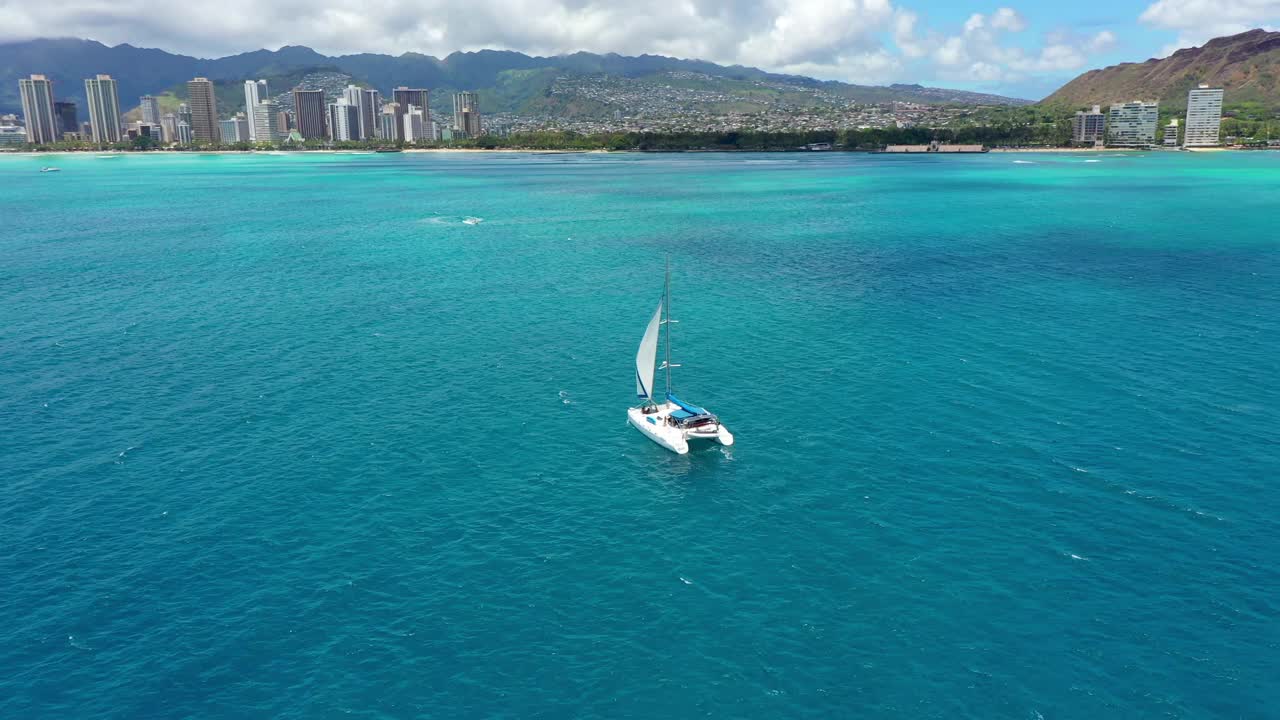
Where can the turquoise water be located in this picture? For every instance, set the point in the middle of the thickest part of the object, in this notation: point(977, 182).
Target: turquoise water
point(283, 437)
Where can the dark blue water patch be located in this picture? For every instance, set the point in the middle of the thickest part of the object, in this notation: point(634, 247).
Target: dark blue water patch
point(304, 459)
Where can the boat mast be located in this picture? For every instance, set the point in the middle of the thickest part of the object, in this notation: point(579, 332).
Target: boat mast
point(667, 323)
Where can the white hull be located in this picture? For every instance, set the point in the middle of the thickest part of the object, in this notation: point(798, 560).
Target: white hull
point(654, 426)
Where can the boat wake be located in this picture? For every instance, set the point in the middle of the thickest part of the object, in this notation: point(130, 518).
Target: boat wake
point(124, 454)
point(454, 220)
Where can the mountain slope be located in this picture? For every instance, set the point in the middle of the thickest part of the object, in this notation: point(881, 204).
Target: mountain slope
point(497, 74)
point(1246, 65)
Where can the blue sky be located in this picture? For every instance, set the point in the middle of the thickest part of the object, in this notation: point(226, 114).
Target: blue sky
point(1133, 40)
point(1025, 48)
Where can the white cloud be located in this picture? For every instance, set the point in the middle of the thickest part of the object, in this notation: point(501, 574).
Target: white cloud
point(904, 30)
point(807, 31)
point(979, 52)
point(866, 41)
point(1198, 21)
point(1008, 19)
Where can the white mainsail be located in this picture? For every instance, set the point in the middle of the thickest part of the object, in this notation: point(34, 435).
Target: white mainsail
point(647, 356)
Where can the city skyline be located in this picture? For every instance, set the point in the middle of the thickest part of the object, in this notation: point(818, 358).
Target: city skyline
point(1130, 124)
point(328, 106)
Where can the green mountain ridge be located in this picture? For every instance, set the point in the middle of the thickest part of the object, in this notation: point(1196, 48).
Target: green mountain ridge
point(507, 81)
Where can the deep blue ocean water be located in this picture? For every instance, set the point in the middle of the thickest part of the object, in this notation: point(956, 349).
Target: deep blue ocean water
point(281, 437)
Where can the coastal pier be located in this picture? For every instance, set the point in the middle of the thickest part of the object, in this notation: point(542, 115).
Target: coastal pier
point(935, 147)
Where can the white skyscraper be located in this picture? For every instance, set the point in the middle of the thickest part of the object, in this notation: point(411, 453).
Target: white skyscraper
point(344, 120)
point(1204, 117)
point(37, 109)
point(1133, 124)
point(389, 119)
point(466, 114)
point(264, 122)
point(169, 123)
point(150, 109)
point(234, 129)
point(255, 91)
point(367, 103)
point(354, 96)
point(415, 126)
point(104, 109)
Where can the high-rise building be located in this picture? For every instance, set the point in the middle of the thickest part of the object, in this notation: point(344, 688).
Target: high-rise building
point(1087, 128)
point(204, 111)
point(283, 122)
point(68, 120)
point(370, 104)
point(403, 97)
point(466, 114)
point(309, 109)
point(234, 129)
point(12, 135)
point(146, 130)
point(184, 133)
point(37, 109)
point(1204, 117)
point(1133, 124)
point(104, 109)
point(150, 109)
point(390, 122)
point(1171, 133)
point(344, 121)
point(265, 122)
point(184, 113)
point(415, 125)
point(255, 91)
point(367, 103)
point(169, 124)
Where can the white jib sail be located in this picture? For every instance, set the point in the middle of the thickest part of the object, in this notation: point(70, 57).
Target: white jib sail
point(647, 356)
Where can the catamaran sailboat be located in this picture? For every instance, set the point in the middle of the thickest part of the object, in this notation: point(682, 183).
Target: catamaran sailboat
point(671, 424)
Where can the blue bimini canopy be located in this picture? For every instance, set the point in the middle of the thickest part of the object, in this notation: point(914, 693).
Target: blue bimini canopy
point(685, 410)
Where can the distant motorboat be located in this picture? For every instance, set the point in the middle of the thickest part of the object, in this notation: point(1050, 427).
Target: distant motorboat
point(674, 423)
point(472, 220)
point(50, 169)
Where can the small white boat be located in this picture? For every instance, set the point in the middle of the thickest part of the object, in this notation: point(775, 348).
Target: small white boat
point(673, 423)
point(50, 169)
point(469, 220)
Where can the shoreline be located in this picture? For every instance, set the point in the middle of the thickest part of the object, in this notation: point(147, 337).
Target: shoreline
point(536, 151)
point(192, 153)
